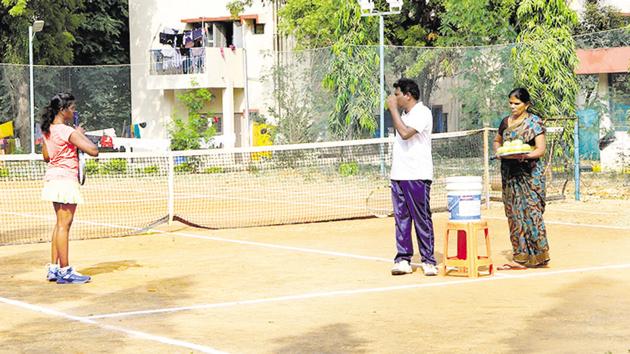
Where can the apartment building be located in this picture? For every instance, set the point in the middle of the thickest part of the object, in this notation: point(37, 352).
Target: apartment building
point(176, 46)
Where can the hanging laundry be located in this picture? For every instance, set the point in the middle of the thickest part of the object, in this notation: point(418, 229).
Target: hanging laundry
point(136, 131)
point(197, 33)
point(188, 37)
point(6, 129)
point(179, 41)
point(170, 30)
point(166, 38)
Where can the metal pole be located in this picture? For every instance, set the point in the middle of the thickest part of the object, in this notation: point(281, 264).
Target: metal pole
point(382, 75)
point(30, 62)
point(576, 156)
point(381, 26)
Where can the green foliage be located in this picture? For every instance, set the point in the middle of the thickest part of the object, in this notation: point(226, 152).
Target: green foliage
point(188, 134)
point(103, 34)
point(75, 32)
point(477, 22)
point(236, 7)
point(106, 167)
point(350, 76)
point(185, 167)
point(213, 169)
point(4, 172)
point(349, 169)
point(483, 77)
point(113, 167)
point(150, 170)
point(91, 167)
point(598, 16)
point(293, 110)
point(544, 58)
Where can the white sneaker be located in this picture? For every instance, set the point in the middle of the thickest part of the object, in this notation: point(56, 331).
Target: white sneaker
point(429, 269)
point(401, 268)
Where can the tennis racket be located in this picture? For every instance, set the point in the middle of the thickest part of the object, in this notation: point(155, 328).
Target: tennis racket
point(379, 202)
point(80, 154)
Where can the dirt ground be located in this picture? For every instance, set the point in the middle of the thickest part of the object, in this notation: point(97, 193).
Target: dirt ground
point(323, 287)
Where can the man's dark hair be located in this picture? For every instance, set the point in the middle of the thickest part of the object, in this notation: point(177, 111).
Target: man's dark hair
point(408, 86)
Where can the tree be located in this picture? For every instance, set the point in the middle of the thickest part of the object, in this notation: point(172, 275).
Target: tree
point(351, 75)
point(484, 28)
point(294, 114)
point(103, 35)
point(188, 133)
point(544, 57)
point(52, 46)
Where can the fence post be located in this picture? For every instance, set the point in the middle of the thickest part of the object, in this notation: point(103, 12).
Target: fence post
point(576, 156)
point(486, 165)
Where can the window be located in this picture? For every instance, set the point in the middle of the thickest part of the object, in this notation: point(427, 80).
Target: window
point(259, 28)
point(215, 120)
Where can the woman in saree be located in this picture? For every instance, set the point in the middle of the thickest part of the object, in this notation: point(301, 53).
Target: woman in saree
point(523, 182)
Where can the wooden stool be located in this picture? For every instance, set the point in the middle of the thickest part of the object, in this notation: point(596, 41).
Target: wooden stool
point(468, 262)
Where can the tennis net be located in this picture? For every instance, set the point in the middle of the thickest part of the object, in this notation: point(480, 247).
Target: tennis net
point(129, 193)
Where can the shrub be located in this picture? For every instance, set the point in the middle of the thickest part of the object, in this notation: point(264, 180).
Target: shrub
point(348, 169)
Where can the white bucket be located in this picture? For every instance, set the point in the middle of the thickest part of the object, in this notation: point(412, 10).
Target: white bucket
point(463, 194)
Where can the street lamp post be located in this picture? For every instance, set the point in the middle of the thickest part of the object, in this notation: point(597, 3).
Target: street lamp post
point(37, 26)
point(367, 9)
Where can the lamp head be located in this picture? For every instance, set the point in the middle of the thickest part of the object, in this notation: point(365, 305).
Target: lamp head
point(38, 25)
point(367, 6)
point(395, 5)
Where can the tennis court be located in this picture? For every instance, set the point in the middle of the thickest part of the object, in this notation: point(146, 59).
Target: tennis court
point(322, 287)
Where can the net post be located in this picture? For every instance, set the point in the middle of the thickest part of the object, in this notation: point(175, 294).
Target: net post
point(486, 164)
point(171, 187)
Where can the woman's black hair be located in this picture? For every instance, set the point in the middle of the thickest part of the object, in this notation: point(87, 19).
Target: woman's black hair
point(59, 102)
point(522, 94)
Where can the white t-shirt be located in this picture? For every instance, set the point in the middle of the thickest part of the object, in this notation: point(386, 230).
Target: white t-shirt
point(412, 157)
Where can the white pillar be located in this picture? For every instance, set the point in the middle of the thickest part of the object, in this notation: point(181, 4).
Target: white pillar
point(605, 123)
point(229, 136)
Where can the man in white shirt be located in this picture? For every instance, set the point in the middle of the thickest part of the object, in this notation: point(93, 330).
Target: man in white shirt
point(411, 176)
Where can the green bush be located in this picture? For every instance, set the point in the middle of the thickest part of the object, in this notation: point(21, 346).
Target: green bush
point(213, 169)
point(348, 169)
point(185, 167)
point(114, 167)
point(149, 170)
point(91, 167)
point(4, 172)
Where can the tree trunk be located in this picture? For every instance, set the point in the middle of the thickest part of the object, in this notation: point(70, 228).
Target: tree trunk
point(20, 106)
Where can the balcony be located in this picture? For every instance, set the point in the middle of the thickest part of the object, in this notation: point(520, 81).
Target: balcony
point(172, 69)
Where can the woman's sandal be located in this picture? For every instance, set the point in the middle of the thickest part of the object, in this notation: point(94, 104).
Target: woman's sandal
point(508, 266)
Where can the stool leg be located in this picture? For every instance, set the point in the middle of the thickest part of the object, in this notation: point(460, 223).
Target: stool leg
point(489, 252)
point(472, 251)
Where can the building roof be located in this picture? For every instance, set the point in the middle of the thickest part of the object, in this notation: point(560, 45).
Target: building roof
point(221, 19)
point(603, 60)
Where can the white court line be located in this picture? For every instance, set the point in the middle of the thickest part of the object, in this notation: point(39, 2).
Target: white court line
point(129, 332)
point(548, 222)
point(353, 292)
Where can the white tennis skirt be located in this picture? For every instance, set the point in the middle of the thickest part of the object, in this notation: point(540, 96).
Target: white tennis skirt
point(62, 191)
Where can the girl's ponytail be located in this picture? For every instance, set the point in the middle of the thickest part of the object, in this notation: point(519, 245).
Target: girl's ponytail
point(59, 102)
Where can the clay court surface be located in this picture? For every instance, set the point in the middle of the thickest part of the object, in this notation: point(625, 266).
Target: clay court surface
point(323, 287)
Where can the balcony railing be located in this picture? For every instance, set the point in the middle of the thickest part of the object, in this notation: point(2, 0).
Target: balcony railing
point(172, 61)
point(175, 69)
